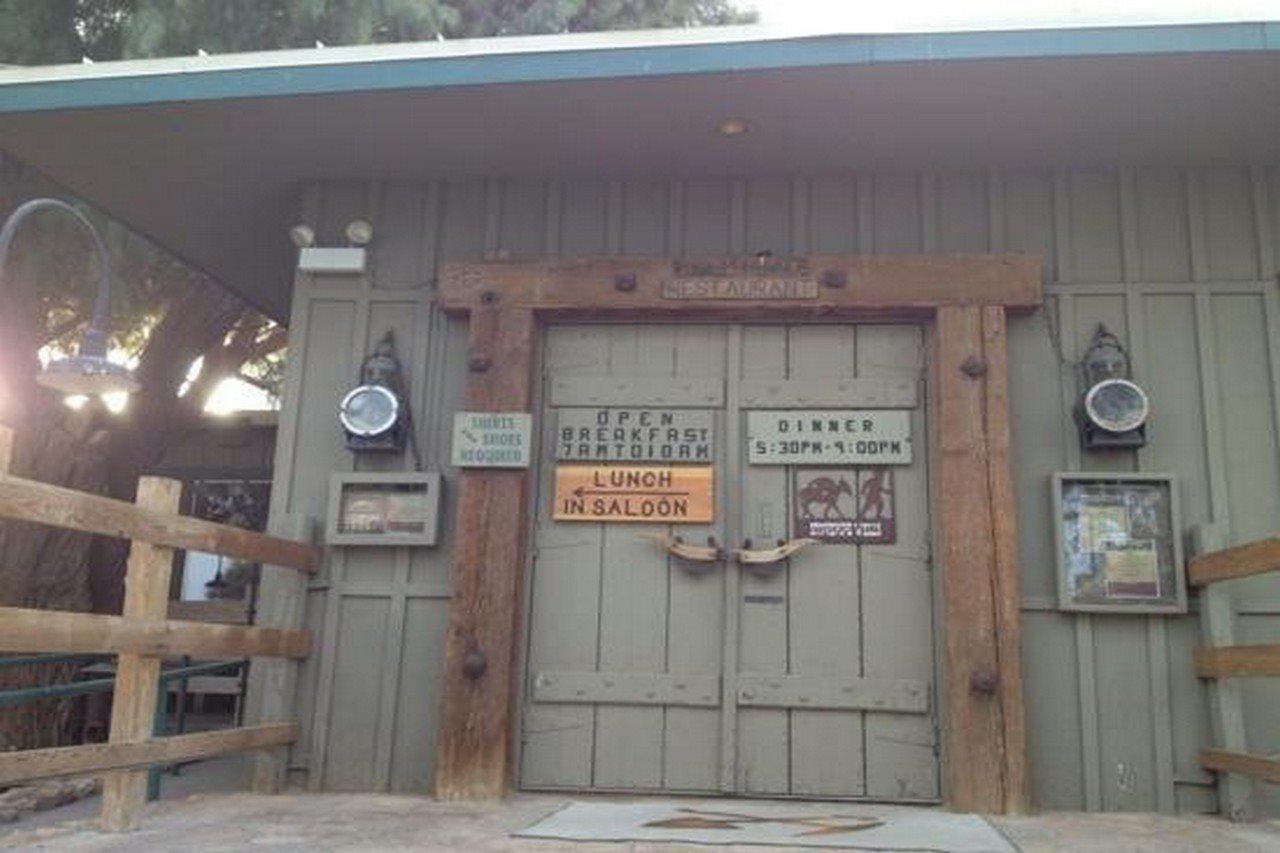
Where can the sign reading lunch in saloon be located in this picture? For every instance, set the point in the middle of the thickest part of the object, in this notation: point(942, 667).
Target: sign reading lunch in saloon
point(665, 494)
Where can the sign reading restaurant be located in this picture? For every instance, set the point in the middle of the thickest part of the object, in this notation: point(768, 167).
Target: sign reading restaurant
point(634, 435)
point(741, 278)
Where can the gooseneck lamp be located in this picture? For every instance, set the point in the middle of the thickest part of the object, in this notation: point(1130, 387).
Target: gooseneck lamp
point(88, 372)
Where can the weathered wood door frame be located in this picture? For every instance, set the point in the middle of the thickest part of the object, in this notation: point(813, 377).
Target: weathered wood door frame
point(963, 299)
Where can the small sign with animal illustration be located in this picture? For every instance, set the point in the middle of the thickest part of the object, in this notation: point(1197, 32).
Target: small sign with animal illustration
point(844, 505)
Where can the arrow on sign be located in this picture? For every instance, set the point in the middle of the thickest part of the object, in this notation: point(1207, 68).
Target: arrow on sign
point(581, 491)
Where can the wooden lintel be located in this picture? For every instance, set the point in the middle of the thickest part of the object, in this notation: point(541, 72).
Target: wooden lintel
point(34, 764)
point(478, 720)
point(1242, 561)
point(25, 630)
point(28, 500)
point(1237, 661)
point(982, 714)
point(846, 286)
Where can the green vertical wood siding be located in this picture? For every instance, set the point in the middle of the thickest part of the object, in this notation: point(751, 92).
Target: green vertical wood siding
point(1180, 262)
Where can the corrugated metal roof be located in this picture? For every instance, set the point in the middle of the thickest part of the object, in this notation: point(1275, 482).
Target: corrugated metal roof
point(582, 56)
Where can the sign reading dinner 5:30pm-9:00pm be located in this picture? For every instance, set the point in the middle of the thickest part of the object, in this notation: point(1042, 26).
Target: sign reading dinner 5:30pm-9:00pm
point(829, 437)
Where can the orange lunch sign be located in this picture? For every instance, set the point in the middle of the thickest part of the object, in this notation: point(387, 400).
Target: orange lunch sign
point(661, 494)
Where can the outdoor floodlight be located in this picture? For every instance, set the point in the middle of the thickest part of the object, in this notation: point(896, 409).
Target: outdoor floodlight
point(302, 236)
point(359, 232)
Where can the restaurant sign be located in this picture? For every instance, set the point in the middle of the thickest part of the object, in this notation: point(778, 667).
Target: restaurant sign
point(829, 437)
point(634, 435)
point(661, 494)
point(741, 278)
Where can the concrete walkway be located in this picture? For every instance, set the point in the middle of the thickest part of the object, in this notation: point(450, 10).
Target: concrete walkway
point(217, 822)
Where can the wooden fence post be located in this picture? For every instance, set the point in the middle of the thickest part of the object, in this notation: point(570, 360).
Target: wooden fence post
point(1226, 695)
point(6, 448)
point(146, 598)
point(273, 681)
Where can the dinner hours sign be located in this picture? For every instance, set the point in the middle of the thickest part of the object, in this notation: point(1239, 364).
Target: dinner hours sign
point(829, 437)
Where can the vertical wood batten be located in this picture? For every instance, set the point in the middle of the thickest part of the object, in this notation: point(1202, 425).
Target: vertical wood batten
point(1086, 682)
point(1157, 628)
point(480, 653)
point(271, 692)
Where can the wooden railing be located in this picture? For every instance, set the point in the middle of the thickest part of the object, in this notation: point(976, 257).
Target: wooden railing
point(143, 635)
point(1222, 661)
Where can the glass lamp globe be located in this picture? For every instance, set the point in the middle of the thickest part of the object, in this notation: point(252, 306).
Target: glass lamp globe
point(369, 410)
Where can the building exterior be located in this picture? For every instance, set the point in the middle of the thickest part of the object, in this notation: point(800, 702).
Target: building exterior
point(930, 226)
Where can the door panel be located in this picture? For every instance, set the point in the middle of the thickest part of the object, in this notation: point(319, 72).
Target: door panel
point(647, 673)
point(637, 615)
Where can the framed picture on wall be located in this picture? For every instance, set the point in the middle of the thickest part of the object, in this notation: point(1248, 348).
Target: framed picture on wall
point(1119, 543)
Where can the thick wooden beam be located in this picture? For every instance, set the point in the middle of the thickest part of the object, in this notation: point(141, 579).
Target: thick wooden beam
point(1234, 661)
point(25, 630)
point(1242, 561)
point(133, 704)
point(31, 765)
point(1007, 582)
point(1255, 766)
point(478, 722)
point(27, 500)
point(847, 285)
point(982, 717)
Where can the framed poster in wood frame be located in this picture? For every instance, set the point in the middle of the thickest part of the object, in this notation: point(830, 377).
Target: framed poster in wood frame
point(1118, 539)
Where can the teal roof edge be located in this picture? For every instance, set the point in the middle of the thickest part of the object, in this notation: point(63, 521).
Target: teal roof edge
point(578, 63)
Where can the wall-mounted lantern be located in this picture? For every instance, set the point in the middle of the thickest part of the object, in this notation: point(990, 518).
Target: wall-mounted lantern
point(374, 414)
point(1113, 409)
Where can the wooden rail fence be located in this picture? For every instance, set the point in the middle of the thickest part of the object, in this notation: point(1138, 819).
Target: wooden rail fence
point(143, 635)
point(1223, 661)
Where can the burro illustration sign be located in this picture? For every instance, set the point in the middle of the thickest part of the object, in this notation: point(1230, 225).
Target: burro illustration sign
point(662, 494)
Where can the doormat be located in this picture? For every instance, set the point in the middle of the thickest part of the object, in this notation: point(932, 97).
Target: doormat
point(904, 829)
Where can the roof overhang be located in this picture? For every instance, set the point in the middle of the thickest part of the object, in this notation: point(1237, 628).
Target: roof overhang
point(205, 154)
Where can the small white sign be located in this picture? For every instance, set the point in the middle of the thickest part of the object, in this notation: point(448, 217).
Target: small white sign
point(491, 439)
point(829, 437)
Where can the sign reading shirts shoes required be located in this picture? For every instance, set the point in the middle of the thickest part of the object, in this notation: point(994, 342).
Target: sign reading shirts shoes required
point(634, 435)
point(829, 437)
point(672, 494)
point(491, 439)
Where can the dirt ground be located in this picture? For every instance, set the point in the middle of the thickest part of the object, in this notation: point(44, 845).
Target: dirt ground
point(236, 821)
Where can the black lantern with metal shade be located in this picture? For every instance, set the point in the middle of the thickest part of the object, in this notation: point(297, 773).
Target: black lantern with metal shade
point(1113, 409)
point(88, 372)
point(374, 414)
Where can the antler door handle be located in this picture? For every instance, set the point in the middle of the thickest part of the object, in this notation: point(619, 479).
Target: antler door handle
point(771, 555)
point(693, 553)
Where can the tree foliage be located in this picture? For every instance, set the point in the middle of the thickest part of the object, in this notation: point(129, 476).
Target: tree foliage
point(149, 282)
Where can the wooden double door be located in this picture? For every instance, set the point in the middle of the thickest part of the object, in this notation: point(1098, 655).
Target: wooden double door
point(806, 676)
